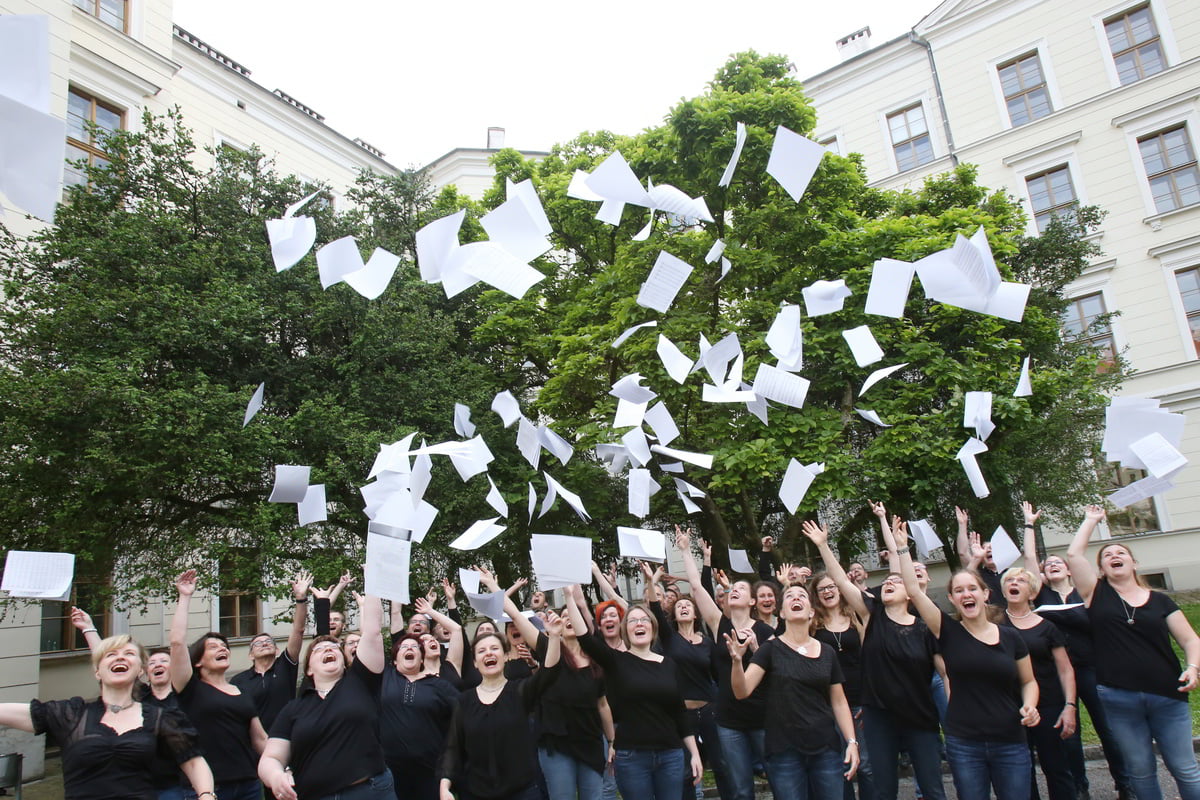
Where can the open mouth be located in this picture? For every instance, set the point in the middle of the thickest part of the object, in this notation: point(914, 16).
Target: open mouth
point(968, 603)
point(490, 661)
point(158, 672)
point(119, 667)
point(796, 606)
point(330, 657)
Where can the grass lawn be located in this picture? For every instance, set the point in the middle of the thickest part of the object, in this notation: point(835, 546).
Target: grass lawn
point(1192, 612)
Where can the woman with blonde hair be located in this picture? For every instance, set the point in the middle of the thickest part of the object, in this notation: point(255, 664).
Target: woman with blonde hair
point(1140, 684)
point(110, 744)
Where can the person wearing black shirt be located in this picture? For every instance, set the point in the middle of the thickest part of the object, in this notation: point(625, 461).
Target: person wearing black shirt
point(325, 743)
point(110, 745)
point(1140, 683)
point(806, 706)
point(1055, 679)
point(898, 655)
point(271, 680)
point(230, 731)
point(415, 711)
point(993, 693)
point(489, 753)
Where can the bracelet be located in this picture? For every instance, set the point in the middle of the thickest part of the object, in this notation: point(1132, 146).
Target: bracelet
point(213, 795)
point(86, 631)
point(852, 741)
point(1029, 525)
point(1072, 704)
point(300, 600)
point(1192, 666)
point(902, 551)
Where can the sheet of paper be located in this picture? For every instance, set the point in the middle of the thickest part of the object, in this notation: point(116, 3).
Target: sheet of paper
point(392, 457)
point(642, 544)
point(386, 571)
point(1125, 423)
point(630, 388)
point(1024, 387)
point(512, 226)
point(825, 297)
point(1008, 302)
point(702, 460)
point(677, 365)
point(507, 407)
point(977, 413)
point(871, 416)
point(628, 414)
point(495, 499)
point(740, 563)
point(421, 475)
point(715, 252)
point(38, 576)
point(613, 179)
point(337, 259)
point(402, 511)
point(794, 160)
point(924, 537)
point(1140, 490)
point(610, 212)
point(435, 242)
point(256, 403)
point(376, 274)
point(780, 386)
point(32, 154)
point(291, 238)
point(1162, 460)
point(689, 506)
point(572, 499)
point(677, 203)
point(739, 143)
point(863, 346)
point(966, 456)
point(878, 375)
point(891, 281)
point(390, 531)
point(462, 421)
point(475, 461)
point(487, 604)
point(717, 358)
point(620, 340)
point(495, 266)
point(578, 188)
point(527, 195)
point(451, 448)
point(1004, 551)
point(291, 484)
point(560, 561)
point(468, 580)
point(639, 492)
point(637, 447)
point(556, 445)
point(725, 267)
point(662, 423)
point(727, 393)
point(757, 406)
point(312, 507)
point(479, 534)
point(527, 442)
point(785, 340)
point(532, 501)
point(666, 279)
point(25, 60)
point(795, 485)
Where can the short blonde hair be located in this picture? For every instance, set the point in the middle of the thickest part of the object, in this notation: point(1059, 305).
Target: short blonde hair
point(1035, 581)
point(116, 643)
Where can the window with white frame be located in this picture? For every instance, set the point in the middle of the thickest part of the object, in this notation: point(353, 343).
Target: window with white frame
point(110, 12)
point(1085, 319)
point(1188, 281)
point(1139, 517)
point(1170, 163)
point(1137, 48)
point(910, 137)
point(831, 144)
point(89, 121)
point(1026, 95)
point(1052, 196)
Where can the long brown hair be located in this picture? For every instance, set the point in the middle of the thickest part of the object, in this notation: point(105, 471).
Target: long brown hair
point(843, 605)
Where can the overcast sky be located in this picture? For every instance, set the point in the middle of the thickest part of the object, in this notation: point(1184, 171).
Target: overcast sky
point(417, 78)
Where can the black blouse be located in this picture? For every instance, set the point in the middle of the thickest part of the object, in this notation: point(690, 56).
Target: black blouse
point(99, 763)
point(223, 721)
point(415, 716)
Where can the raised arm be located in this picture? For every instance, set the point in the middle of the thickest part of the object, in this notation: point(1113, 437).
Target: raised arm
point(1029, 545)
point(341, 585)
point(766, 562)
point(880, 512)
point(83, 623)
point(370, 647)
point(181, 660)
point(961, 543)
point(650, 578)
point(300, 586)
point(710, 612)
point(819, 536)
point(606, 588)
point(454, 653)
point(1083, 574)
point(925, 607)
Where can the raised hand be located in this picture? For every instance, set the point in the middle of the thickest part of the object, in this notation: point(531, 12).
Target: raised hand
point(782, 573)
point(1094, 513)
point(878, 510)
point(706, 552)
point(301, 584)
point(964, 519)
point(1031, 516)
point(737, 646)
point(768, 544)
point(554, 623)
point(899, 532)
point(81, 619)
point(683, 541)
point(448, 589)
point(721, 578)
point(423, 606)
point(817, 534)
point(977, 551)
point(185, 584)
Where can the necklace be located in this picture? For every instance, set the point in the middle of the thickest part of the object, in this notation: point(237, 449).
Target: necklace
point(1130, 612)
point(802, 649)
point(114, 708)
point(837, 637)
point(1011, 615)
point(491, 690)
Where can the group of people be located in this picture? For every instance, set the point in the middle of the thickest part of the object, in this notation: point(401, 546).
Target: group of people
point(821, 681)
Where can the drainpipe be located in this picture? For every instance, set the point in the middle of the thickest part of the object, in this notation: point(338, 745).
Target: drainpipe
point(937, 88)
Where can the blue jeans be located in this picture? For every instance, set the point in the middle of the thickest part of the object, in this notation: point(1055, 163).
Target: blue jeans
point(174, 793)
point(1086, 688)
point(1004, 766)
point(376, 787)
point(608, 788)
point(530, 792)
point(567, 778)
point(741, 749)
point(650, 774)
point(864, 776)
point(1140, 720)
point(886, 736)
point(240, 790)
point(796, 776)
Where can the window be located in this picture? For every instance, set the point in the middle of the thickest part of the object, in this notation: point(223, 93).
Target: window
point(1024, 85)
point(1052, 195)
point(1171, 168)
point(1137, 518)
point(238, 609)
point(1189, 292)
point(1086, 320)
point(110, 12)
point(910, 137)
point(831, 144)
point(58, 634)
point(1136, 47)
point(84, 142)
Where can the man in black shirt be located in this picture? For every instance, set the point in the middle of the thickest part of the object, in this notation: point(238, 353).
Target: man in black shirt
point(271, 680)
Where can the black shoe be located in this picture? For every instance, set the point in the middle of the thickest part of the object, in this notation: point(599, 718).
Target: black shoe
point(1125, 793)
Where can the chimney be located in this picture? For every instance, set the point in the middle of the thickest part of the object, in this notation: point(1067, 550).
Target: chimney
point(495, 140)
point(854, 43)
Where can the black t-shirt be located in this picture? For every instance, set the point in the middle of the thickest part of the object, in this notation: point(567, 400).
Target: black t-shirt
point(270, 691)
point(568, 712)
point(165, 772)
point(799, 714)
point(897, 667)
point(695, 662)
point(742, 715)
point(1073, 622)
point(650, 714)
point(223, 721)
point(1138, 656)
point(415, 716)
point(847, 648)
point(1041, 640)
point(335, 739)
point(100, 765)
point(991, 579)
point(985, 689)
